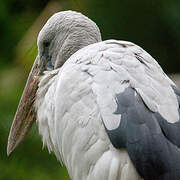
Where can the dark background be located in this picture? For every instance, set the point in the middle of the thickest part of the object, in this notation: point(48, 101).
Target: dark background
point(154, 25)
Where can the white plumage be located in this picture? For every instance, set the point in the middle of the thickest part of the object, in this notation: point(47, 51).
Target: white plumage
point(81, 95)
point(77, 100)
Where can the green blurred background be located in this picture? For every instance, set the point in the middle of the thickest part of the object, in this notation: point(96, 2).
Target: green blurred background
point(154, 25)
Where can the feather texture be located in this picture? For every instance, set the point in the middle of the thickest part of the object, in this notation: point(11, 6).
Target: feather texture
point(83, 99)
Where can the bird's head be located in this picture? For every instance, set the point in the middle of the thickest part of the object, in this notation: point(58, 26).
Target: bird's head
point(63, 34)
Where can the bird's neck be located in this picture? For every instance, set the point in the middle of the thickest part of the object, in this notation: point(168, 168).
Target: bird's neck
point(45, 104)
point(45, 82)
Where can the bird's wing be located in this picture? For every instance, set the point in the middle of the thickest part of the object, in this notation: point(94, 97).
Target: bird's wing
point(139, 104)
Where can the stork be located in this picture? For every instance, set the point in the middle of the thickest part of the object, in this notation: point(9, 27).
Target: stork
point(105, 108)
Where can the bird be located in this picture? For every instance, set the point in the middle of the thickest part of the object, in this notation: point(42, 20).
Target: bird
point(105, 108)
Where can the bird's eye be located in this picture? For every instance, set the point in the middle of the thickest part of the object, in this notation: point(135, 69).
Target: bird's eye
point(46, 44)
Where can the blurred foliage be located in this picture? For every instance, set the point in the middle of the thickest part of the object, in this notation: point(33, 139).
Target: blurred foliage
point(16, 16)
point(154, 25)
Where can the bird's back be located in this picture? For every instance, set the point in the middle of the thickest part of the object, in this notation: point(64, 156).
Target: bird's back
point(109, 101)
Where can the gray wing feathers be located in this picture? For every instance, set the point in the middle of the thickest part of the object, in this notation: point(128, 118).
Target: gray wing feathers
point(150, 140)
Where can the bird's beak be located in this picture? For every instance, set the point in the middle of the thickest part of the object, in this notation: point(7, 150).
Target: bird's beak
point(25, 115)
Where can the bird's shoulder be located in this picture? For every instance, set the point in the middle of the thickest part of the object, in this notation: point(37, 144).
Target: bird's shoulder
point(123, 53)
point(115, 65)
